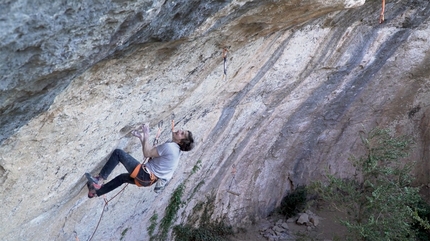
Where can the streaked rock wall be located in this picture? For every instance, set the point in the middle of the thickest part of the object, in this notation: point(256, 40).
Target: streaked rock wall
point(303, 78)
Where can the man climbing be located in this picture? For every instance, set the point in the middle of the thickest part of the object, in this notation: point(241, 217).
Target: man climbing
point(163, 161)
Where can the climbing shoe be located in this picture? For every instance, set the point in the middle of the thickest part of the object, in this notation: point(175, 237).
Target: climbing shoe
point(93, 184)
point(160, 185)
point(93, 181)
point(92, 192)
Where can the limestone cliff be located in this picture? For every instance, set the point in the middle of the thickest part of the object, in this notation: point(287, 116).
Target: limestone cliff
point(303, 78)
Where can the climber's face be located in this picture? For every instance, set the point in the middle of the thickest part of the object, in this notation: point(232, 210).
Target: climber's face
point(179, 135)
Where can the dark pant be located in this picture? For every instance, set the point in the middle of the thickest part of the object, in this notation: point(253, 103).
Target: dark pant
point(129, 163)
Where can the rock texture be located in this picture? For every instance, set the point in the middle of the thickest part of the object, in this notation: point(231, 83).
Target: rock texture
point(303, 79)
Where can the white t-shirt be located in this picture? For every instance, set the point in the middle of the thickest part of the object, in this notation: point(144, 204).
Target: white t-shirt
point(165, 165)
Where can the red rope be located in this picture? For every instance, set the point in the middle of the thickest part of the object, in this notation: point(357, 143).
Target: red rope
point(104, 208)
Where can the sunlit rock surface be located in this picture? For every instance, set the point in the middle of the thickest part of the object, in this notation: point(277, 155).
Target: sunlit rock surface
point(303, 79)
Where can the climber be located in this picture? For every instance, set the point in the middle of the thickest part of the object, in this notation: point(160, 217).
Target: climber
point(163, 161)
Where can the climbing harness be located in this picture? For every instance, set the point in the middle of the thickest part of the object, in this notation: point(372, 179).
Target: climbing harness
point(138, 181)
point(134, 174)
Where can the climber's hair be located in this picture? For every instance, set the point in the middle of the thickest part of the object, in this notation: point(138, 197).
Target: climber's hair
point(187, 144)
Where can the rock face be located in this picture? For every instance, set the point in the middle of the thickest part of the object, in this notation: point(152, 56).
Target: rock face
point(303, 79)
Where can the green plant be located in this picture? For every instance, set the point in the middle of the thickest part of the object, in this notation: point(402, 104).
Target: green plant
point(294, 202)
point(421, 224)
point(206, 230)
point(211, 232)
point(379, 200)
point(153, 221)
point(123, 233)
point(171, 210)
point(196, 167)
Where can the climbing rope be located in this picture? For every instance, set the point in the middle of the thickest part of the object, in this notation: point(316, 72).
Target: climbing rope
point(104, 208)
point(155, 142)
point(231, 182)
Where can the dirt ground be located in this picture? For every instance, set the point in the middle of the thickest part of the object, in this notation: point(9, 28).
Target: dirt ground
point(328, 229)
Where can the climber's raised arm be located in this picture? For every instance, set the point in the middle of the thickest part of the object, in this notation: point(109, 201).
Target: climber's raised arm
point(147, 149)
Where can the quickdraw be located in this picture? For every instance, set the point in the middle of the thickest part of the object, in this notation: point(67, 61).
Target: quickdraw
point(381, 17)
point(159, 125)
point(172, 120)
point(224, 56)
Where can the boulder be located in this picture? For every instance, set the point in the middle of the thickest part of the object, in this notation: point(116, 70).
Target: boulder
point(303, 219)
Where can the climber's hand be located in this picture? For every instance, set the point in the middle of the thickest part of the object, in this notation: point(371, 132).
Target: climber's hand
point(137, 134)
point(142, 133)
point(145, 129)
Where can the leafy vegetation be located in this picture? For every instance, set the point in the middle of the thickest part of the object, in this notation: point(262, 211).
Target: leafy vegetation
point(196, 167)
point(379, 201)
point(211, 232)
point(206, 230)
point(171, 211)
point(153, 221)
point(123, 233)
point(421, 226)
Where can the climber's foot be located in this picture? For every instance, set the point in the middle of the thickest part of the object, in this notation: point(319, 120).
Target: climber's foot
point(93, 181)
point(92, 192)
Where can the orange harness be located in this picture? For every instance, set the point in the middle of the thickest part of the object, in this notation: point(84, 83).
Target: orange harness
point(139, 182)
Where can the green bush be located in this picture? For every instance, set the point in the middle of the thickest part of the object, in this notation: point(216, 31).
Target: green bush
point(379, 201)
point(206, 230)
point(170, 213)
point(422, 213)
point(153, 221)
